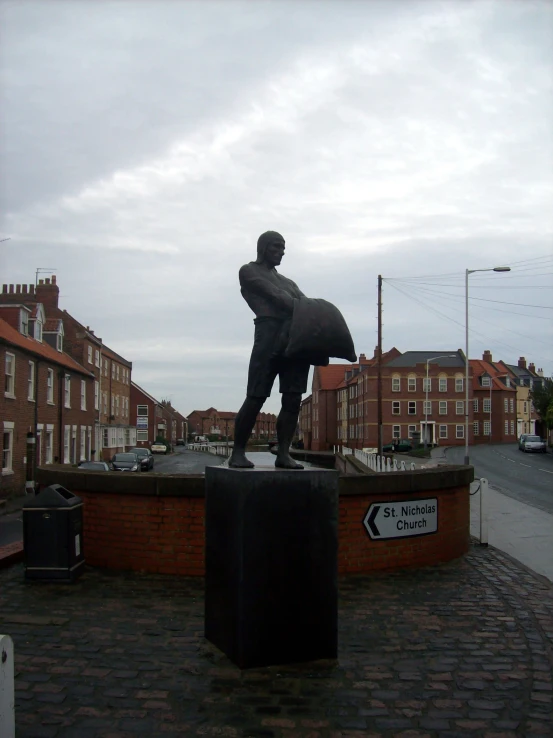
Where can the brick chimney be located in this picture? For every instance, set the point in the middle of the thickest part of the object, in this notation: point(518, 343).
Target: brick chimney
point(362, 357)
point(532, 368)
point(522, 363)
point(487, 356)
point(47, 292)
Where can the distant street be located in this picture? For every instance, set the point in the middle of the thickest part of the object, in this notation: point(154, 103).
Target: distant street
point(527, 478)
point(185, 462)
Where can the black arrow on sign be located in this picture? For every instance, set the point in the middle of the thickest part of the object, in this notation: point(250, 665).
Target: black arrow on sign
point(370, 521)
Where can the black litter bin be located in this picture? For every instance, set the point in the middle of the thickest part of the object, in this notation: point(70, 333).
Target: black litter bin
point(53, 535)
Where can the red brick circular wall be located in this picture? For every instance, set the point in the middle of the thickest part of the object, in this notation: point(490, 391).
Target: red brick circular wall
point(156, 524)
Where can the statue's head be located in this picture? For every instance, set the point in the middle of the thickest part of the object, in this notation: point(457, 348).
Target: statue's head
point(270, 248)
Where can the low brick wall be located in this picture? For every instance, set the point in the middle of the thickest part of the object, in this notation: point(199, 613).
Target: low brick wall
point(155, 523)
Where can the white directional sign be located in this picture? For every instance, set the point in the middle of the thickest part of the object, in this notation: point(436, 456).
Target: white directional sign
point(401, 519)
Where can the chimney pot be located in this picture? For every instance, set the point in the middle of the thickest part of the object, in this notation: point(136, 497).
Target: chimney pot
point(4, 288)
point(47, 280)
point(522, 363)
point(487, 356)
point(53, 279)
point(17, 289)
point(24, 289)
point(11, 289)
point(32, 289)
point(41, 281)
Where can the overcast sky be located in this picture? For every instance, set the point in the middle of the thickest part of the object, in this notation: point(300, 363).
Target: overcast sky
point(145, 146)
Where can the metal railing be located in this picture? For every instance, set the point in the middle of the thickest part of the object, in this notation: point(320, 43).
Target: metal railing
point(375, 462)
point(483, 486)
point(218, 449)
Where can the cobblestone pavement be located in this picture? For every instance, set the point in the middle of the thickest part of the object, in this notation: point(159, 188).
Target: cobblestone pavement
point(463, 649)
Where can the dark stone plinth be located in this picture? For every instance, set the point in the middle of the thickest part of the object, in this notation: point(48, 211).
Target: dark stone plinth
point(271, 564)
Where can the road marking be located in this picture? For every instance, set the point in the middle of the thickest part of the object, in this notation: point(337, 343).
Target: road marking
point(528, 465)
point(546, 471)
point(511, 460)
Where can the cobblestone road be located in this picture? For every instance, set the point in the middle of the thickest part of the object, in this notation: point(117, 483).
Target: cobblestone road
point(463, 649)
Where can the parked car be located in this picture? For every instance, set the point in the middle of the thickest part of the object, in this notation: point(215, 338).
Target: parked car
point(146, 458)
point(95, 466)
point(398, 444)
point(158, 448)
point(126, 462)
point(532, 444)
point(181, 442)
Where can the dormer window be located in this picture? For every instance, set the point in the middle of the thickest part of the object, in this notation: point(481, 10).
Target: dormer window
point(486, 382)
point(24, 323)
point(59, 342)
point(38, 331)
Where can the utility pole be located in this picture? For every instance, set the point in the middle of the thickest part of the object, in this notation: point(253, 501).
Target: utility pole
point(379, 367)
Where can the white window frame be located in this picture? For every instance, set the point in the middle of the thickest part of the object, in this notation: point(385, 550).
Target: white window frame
point(475, 405)
point(49, 445)
point(396, 407)
point(486, 381)
point(7, 451)
point(89, 351)
point(31, 382)
point(512, 405)
point(412, 407)
point(427, 384)
point(117, 371)
point(427, 407)
point(459, 384)
point(442, 431)
point(96, 395)
point(506, 404)
point(112, 370)
point(83, 394)
point(476, 428)
point(506, 427)
point(411, 383)
point(67, 444)
point(9, 384)
point(396, 384)
point(459, 431)
point(82, 456)
point(96, 358)
point(67, 391)
point(459, 407)
point(442, 409)
point(442, 384)
point(512, 427)
point(486, 405)
point(59, 342)
point(141, 414)
point(50, 387)
point(487, 428)
point(396, 431)
point(410, 430)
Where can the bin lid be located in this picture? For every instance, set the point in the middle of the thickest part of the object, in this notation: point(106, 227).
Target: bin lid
point(53, 496)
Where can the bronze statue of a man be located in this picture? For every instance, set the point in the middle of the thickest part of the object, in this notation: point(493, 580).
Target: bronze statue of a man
point(271, 297)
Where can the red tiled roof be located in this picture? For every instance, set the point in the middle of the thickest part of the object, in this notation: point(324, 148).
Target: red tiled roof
point(479, 367)
point(52, 324)
point(330, 376)
point(43, 350)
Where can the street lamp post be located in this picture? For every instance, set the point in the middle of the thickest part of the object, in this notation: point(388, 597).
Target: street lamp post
point(467, 272)
point(443, 356)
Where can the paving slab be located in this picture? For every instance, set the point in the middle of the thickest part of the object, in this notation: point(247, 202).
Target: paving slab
point(462, 649)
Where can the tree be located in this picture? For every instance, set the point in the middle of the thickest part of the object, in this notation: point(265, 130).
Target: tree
point(542, 397)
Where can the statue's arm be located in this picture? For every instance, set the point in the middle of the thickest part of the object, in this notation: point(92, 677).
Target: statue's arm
point(251, 280)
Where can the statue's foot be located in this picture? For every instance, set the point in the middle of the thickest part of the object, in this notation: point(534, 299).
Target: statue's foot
point(240, 461)
point(287, 462)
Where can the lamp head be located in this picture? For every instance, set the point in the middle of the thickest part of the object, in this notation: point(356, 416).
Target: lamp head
point(502, 269)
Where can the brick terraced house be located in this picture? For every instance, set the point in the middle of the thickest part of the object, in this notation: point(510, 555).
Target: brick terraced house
point(494, 401)
point(46, 393)
point(112, 431)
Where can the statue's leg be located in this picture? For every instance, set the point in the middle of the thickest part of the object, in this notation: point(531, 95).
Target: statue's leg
point(245, 421)
point(286, 427)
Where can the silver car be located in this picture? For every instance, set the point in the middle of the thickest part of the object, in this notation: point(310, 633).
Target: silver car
point(533, 444)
